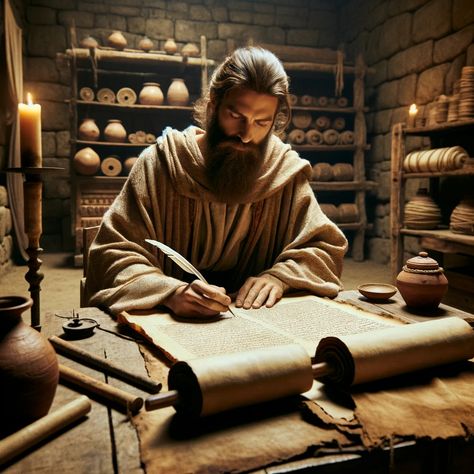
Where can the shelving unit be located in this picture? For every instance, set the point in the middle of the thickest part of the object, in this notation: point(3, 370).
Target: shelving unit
point(440, 240)
point(105, 67)
point(316, 78)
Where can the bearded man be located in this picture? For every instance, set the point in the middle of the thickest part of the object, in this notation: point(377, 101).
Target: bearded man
point(230, 197)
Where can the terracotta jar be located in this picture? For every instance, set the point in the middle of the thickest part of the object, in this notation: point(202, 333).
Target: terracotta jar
point(178, 93)
point(115, 132)
point(190, 49)
point(151, 94)
point(145, 44)
point(88, 130)
point(117, 40)
point(88, 42)
point(422, 282)
point(128, 164)
point(28, 368)
point(86, 161)
point(170, 46)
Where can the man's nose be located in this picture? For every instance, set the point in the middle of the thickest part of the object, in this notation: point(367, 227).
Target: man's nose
point(245, 133)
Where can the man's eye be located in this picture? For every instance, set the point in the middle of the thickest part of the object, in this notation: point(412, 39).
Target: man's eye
point(234, 115)
point(263, 123)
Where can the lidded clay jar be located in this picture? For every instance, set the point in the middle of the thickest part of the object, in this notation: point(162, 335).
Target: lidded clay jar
point(115, 131)
point(178, 93)
point(151, 94)
point(88, 130)
point(422, 282)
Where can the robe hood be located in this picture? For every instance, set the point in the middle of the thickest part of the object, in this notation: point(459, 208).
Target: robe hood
point(180, 154)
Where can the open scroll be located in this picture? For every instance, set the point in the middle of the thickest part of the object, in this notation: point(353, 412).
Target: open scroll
point(303, 320)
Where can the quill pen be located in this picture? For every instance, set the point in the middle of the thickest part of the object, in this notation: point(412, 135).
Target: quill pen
point(177, 258)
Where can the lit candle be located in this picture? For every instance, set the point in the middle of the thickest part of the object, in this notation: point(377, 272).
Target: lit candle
point(30, 133)
point(412, 114)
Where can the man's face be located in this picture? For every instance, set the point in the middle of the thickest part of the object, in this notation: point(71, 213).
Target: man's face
point(236, 138)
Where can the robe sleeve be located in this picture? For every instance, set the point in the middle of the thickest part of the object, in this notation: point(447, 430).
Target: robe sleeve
point(313, 247)
point(122, 274)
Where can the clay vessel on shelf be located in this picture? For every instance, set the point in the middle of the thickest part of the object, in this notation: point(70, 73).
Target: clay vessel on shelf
point(170, 46)
point(422, 282)
point(86, 161)
point(88, 42)
point(421, 212)
point(128, 164)
point(190, 49)
point(145, 44)
point(88, 130)
point(115, 131)
point(28, 368)
point(117, 40)
point(177, 93)
point(151, 94)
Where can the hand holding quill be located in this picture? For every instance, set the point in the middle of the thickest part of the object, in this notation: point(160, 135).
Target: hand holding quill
point(184, 264)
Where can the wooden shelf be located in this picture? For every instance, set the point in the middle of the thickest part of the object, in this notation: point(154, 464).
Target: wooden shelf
point(447, 127)
point(342, 185)
point(443, 234)
point(135, 55)
point(101, 179)
point(465, 171)
point(185, 108)
point(335, 109)
point(135, 145)
point(329, 147)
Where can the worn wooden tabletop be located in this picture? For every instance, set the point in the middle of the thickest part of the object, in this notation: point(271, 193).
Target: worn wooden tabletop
point(105, 441)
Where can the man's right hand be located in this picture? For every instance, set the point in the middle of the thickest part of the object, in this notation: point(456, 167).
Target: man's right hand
point(198, 299)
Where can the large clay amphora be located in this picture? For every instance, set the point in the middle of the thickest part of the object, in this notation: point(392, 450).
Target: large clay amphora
point(86, 161)
point(28, 368)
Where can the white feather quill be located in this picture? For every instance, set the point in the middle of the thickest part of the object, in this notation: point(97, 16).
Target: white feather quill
point(184, 264)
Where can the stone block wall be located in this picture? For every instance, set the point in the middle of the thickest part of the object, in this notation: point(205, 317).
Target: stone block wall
point(292, 22)
point(417, 48)
point(6, 238)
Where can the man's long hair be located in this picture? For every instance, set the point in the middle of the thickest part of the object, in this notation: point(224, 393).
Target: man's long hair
point(251, 68)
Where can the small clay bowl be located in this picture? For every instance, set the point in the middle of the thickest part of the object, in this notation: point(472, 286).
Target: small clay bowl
point(377, 291)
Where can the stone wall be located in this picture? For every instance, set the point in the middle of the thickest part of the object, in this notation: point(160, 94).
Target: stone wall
point(293, 22)
point(417, 48)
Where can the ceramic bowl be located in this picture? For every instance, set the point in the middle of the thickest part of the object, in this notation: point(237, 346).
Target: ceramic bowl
point(377, 291)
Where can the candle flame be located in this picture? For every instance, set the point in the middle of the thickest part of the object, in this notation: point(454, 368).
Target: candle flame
point(29, 98)
point(413, 109)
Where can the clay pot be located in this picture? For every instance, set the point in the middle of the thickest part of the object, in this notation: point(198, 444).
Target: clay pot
point(115, 131)
point(151, 94)
point(170, 46)
point(117, 40)
point(422, 282)
point(178, 93)
point(88, 42)
point(88, 130)
point(190, 49)
point(128, 164)
point(86, 161)
point(28, 368)
point(145, 44)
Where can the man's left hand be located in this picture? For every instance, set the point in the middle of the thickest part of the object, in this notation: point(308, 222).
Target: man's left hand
point(259, 291)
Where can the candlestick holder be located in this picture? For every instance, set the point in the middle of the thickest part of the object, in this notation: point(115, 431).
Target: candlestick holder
point(32, 193)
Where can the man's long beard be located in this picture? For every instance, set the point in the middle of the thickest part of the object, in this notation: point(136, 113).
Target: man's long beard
point(231, 165)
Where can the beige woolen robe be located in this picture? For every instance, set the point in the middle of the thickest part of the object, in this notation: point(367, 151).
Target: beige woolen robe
point(278, 228)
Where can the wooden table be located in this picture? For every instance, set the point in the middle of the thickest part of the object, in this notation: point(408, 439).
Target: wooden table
point(106, 442)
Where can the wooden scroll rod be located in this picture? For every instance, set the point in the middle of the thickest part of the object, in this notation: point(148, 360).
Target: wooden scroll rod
point(80, 355)
point(167, 399)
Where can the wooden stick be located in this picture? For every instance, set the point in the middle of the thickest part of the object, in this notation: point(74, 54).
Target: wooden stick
point(70, 350)
point(41, 429)
point(162, 400)
point(113, 394)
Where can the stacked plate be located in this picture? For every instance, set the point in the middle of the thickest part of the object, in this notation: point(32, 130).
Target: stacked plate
point(422, 212)
point(466, 93)
point(462, 217)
